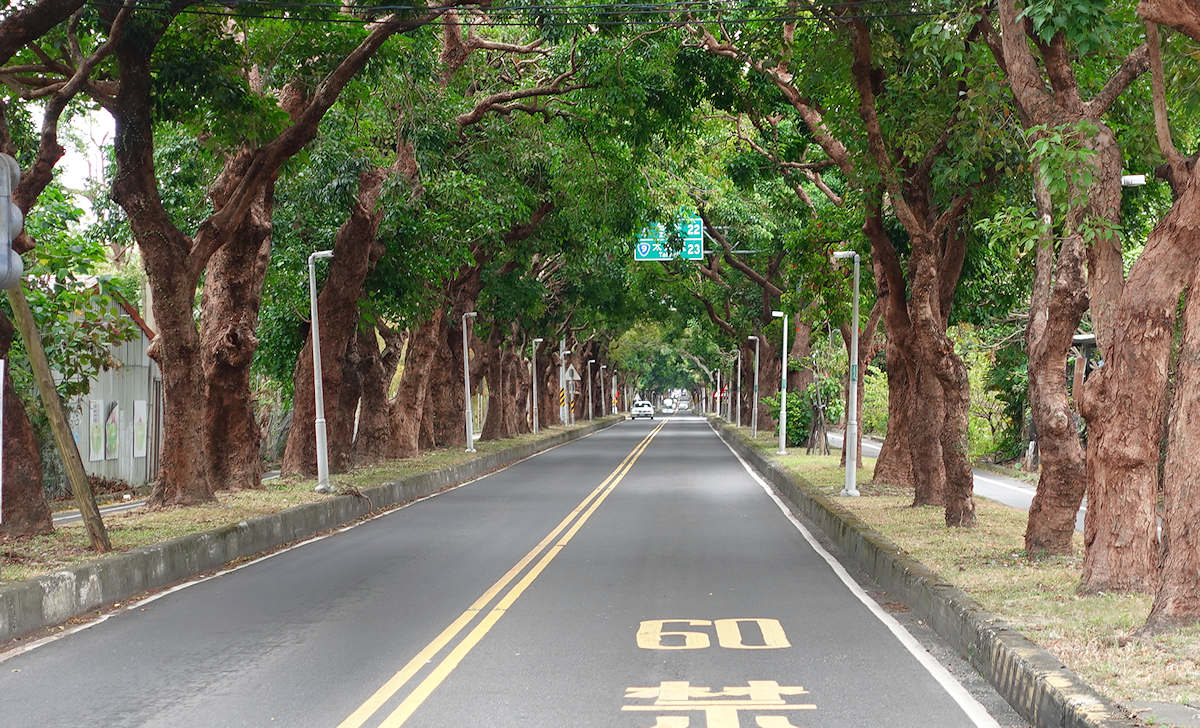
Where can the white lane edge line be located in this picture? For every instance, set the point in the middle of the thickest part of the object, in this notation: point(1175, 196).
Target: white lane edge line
point(24, 649)
point(992, 481)
point(972, 707)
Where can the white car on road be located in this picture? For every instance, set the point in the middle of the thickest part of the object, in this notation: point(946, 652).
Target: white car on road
point(641, 408)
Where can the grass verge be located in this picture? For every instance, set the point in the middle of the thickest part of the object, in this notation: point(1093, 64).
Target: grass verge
point(69, 546)
point(1093, 635)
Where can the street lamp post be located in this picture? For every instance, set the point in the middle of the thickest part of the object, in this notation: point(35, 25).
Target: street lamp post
point(534, 378)
point(562, 380)
point(850, 438)
point(318, 393)
point(589, 381)
point(603, 407)
point(783, 387)
point(717, 393)
point(737, 397)
point(467, 382)
point(754, 408)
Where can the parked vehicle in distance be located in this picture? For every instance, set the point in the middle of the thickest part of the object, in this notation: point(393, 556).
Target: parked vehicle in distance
point(641, 408)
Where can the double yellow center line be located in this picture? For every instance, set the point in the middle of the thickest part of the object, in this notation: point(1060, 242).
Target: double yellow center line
point(547, 548)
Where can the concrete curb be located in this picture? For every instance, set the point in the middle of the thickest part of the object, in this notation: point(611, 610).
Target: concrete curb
point(45, 601)
point(1038, 686)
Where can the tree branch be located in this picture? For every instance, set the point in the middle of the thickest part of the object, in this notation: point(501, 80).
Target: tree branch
point(1134, 65)
point(32, 22)
point(1162, 124)
point(735, 262)
point(498, 100)
point(38, 176)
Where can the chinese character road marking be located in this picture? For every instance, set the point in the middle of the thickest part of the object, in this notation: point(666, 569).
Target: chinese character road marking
point(721, 708)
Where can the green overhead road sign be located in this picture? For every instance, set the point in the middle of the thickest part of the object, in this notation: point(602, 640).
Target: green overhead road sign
point(653, 244)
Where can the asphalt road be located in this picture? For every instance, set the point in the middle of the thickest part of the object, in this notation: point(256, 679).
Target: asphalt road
point(637, 578)
point(999, 488)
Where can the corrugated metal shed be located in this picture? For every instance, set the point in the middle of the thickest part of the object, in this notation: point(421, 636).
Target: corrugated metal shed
point(117, 424)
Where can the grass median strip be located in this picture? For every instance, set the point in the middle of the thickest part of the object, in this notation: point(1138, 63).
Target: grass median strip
point(1093, 635)
point(69, 546)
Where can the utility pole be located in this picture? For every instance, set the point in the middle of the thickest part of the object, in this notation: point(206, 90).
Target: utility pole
point(534, 378)
point(467, 382)
point(754, 407)
point(562, 380)
point(783, 386)
point(850, 437)
point(11, 222)
point(604, 408)
point(717, 393)
point(323, 485)
point(590, 387)
point(737, 398)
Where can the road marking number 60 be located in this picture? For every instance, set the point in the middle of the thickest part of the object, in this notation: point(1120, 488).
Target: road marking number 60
point(653, 634)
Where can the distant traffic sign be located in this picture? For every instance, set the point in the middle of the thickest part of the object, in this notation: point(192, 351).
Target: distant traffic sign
point(653, 242)
point(572, 375)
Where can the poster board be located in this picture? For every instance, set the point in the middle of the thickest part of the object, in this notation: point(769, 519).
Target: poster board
point(95, 430)
point(139, 428)
point(112, 432)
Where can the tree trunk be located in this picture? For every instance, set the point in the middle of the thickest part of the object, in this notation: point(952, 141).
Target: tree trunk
point(183, 477)
point(942, 378)
point(25, 509)
point(768, 381)
point(354, 249)
point(1177, 599)
point(894, 465)
point(426, 439)
point(495, 364)
point(1063, 477)
point(548, 414)
point(374, 425)
point(1123, 402)
point(800, 339)
point(1056, 308)
point(230, 304)
point(446, 405)
point(518, 421)
point(408, 406)
point(956, 456)
point(925, 439)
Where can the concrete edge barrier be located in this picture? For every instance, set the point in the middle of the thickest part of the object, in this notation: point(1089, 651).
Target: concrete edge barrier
point(49, 600)
point(1035, 683)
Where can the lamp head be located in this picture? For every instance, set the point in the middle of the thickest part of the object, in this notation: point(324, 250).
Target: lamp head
point(843, 254)
point(777, 314)
point(538, 341)
point(591, 361)
point(751, 338)
point(470, 314)
point(317, 255)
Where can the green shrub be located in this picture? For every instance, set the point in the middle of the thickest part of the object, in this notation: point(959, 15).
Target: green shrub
point(800, 406)
point(875, 401)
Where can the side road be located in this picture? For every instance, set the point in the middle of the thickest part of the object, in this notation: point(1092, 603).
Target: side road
point(1036, 684)
point(990, 485)
point(46, 601)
